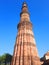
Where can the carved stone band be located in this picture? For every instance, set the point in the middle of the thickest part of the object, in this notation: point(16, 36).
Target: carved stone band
point(24, 23)
point(27, 34)
point(26, 43)
point(27, 57)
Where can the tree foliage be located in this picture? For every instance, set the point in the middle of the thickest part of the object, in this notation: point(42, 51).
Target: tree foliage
point(5, 58)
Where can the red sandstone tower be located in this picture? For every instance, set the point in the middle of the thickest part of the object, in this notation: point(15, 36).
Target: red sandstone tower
point(25, 51)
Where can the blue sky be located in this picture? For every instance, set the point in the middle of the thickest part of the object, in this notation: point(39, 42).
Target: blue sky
point(10, 17)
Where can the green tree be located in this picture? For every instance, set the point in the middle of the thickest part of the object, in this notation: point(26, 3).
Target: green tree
point(0, 58)
point(6, 58)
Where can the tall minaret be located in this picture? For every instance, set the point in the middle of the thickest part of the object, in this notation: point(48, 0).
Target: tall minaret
point(25, 51)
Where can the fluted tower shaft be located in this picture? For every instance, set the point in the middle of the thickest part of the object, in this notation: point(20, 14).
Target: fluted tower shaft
point(25, 50)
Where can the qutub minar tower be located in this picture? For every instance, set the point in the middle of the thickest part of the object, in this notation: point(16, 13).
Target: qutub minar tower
point(25, 51)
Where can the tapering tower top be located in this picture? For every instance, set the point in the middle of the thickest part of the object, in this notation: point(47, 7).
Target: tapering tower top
point(24, 13)
point(24, 4)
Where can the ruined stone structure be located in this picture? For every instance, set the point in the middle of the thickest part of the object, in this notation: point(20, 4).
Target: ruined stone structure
point(45, 59)
point(25, 51)
point(47, 56)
